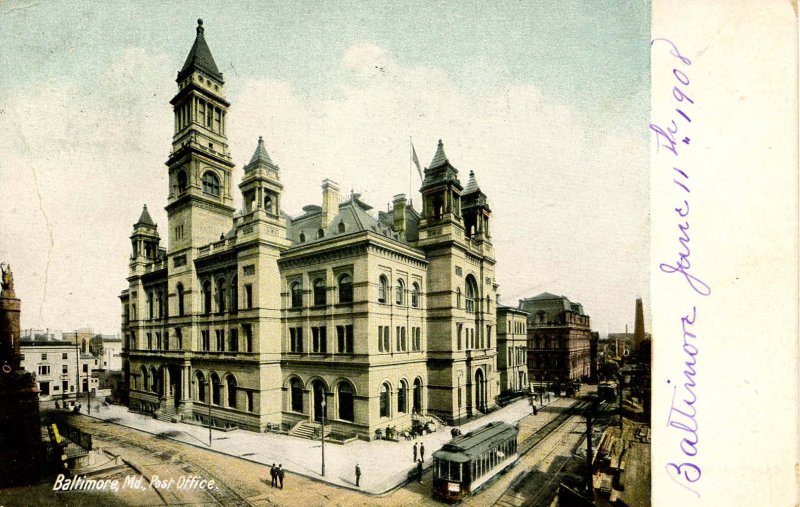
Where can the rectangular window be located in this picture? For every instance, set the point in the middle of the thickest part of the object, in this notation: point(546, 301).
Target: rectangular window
point(386, 338)
point(319, 339)
point(220, 334)
point(149, 341)
point(296, 339)
point(158, 341)
point(397, 339)
point(380, 339)
point(403, 342)
point(248, 295)
point(233, 340)
point(344, 339)
point(64, 369)
point(63, 355)
point(247, 330)
point(44, 357)
point(44, 369)
point(206, 340)
point(488, 337)
point(459, 328)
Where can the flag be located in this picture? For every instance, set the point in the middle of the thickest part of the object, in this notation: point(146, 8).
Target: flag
point(416, 161)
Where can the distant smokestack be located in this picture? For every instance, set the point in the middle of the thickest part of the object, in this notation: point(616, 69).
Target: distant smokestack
point(638, 327)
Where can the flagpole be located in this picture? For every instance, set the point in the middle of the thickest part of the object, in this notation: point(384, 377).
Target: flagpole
point(410, 144)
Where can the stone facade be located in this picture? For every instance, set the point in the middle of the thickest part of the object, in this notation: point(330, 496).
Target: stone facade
point(276, 320)
point(559, 336)
point(512, 348)
point(61, 370)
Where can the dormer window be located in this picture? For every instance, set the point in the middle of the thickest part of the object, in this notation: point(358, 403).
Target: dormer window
point(341, 227)
point(320, 233)
point(302, 238)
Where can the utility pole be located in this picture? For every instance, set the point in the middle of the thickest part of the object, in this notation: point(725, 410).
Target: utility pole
point(77, 370)
point(589, 413)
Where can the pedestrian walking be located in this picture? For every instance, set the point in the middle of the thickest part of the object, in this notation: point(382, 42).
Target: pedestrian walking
point(358, 476)
point(422, 452)
point(534, 410)
point(415, 451)
point(280, 475)
point(274, 473)
point(419, 471)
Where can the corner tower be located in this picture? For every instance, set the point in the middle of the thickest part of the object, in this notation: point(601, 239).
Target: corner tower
point(200, 204)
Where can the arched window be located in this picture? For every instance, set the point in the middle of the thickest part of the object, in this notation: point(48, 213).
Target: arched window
point(458, 297)
point(231, 390)
point(383, 287)
point(297, 395)
point(385, 400)
point(181, 307)
point(211, 184)
point(155, 384)
point(417, 396)
point(302, 237)
point(399, 292)
point(415, 295)
point(182, 184)
point(216, 389)
point(320, 233)
point(319, 292)
point(297, 295)
point(221, 295)
point(402, 396)
point(200, 387)
point(346, 402)
point(341, 227)
point(207, 297)
point(345, 288)
point(268, 204)
point(472, 294)
point(234, 293)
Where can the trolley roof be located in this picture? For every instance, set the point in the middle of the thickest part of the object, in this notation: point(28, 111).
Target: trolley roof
point(466, 447)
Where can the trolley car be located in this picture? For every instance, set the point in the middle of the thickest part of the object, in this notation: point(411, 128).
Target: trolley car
point(468, 461)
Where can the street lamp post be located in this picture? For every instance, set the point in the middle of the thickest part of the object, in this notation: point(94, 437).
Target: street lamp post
point(459, 399)
point(323, 433)
point(208, 388)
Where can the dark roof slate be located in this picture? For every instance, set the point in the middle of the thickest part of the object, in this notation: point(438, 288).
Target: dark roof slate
point(145, 218)
point(200, 57)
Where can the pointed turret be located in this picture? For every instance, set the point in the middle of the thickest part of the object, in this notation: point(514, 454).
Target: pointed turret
point(260, 157)
point(440, 158)
point(200, 58)
point(440, 170)
point(472, 185)
point(144, 218)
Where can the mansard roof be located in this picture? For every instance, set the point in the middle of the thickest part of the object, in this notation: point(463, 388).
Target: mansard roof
point(200, 57)
point(353, 214)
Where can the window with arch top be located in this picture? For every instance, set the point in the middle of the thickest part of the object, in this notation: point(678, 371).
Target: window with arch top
point(471, 294)
point(296, 388)
point(346, 402)
point(182, 182)
point(415, 295)
point(231, 391)
point(210, 184)
point(297, 295)
point(320, 233)
point(385, 400)
point(345, 288)
point(319, 292)
point(402, 395)
point(383, 288)
point(302, 237)
point(341, 227)
point(399, 292)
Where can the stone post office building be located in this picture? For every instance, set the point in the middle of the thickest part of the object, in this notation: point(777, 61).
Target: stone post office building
point(274, 320)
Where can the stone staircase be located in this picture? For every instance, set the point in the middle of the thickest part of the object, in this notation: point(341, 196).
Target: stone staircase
point(308, 429)
point(166, 412)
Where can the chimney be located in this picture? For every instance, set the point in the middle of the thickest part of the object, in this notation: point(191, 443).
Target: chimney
point(399, 203)
point(638, 326)
point(330, 202)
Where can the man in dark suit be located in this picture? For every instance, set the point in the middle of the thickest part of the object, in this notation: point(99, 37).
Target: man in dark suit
point(280, 475)
point(415, 452)
point(422, 452)
point(358, 476)
point(274, 473)
point(419, 471)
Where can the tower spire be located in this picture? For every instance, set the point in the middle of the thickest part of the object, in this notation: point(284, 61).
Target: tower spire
point(200, 58)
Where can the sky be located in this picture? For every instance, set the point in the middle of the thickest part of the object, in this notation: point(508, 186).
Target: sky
point(548, 102)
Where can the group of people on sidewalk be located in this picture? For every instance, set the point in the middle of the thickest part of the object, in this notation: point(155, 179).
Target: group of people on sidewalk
point(277, 474)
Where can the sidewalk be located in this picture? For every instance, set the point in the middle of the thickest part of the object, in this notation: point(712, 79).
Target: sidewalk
point(384, 465)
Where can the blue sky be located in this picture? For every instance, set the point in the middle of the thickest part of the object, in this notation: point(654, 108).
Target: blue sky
point(548, 103)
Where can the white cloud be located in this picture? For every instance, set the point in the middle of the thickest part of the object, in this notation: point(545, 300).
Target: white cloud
point(569, 200)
